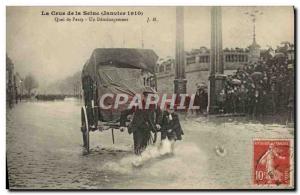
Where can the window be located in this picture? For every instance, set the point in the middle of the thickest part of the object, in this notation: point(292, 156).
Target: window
point(227, 58)
point(168, 67)
point(191, 60)
point(204, 59)
point(201, 59)
point(157, 68)
point(161, 68)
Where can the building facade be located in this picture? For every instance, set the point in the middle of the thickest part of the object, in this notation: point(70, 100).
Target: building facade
point(197, 64)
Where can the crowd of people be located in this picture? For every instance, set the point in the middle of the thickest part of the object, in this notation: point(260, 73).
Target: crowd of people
point(258, 88)
point(263, 87)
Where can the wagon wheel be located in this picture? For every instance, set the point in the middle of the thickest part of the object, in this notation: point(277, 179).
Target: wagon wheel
point(85, 129)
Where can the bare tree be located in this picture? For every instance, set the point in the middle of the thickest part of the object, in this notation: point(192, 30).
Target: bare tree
point(30, 83)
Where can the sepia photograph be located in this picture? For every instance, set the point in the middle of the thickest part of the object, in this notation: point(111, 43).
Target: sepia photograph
point(150, 98)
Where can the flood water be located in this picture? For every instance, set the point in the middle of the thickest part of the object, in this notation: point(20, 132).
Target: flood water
point(44, 151)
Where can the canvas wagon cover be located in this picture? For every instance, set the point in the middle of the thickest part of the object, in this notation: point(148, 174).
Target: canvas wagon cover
point(118, 71)
point(121, 57)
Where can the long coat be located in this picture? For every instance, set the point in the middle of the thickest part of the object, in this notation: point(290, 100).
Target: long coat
point(143, 122)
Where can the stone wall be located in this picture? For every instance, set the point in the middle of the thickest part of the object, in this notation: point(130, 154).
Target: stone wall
point(165, 82)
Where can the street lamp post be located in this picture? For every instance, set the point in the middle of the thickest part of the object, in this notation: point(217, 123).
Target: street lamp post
point(253, 14)
point(254, 54)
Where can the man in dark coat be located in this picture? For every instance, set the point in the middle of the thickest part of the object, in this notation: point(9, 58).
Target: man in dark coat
point(143, 122)
point(171, 127)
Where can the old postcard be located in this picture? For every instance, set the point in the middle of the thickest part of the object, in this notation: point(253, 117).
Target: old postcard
point(150, 97)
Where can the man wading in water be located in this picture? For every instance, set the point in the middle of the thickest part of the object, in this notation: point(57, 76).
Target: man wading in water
point(170, 128)
point(143, 122)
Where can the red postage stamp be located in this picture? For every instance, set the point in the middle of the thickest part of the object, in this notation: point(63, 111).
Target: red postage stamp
point(271, 162)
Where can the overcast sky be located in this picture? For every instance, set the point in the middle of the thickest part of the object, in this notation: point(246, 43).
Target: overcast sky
point(52, 50)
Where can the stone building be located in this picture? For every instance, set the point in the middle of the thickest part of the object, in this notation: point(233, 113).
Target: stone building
point(197, 64)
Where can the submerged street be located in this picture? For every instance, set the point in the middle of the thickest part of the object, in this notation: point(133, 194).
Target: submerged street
point(44, 150)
